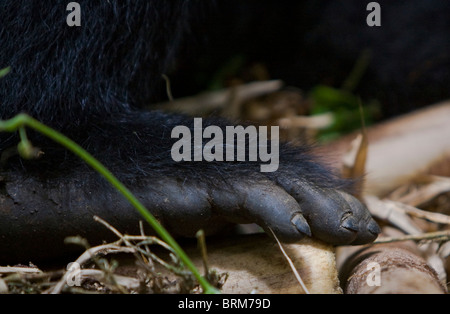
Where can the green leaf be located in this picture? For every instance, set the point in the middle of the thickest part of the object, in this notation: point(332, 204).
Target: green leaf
point(4, 71)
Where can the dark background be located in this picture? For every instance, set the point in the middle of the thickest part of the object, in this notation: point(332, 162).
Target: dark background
point(306, 43)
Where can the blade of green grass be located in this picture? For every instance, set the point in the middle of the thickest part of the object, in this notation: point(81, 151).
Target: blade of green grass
point(4, 71)
point(21, 120)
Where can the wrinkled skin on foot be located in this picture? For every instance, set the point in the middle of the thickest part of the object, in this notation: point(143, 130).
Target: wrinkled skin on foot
point(334, 216)
point(294, 209)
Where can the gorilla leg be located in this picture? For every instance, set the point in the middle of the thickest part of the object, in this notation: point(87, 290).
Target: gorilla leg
point(43, 205)
point(89, 83)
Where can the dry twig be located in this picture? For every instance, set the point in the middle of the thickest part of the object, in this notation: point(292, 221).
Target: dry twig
point(291, 264)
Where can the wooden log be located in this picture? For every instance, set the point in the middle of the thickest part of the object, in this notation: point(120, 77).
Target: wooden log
point(255, 264)
point(399, 149)
point(387, 268)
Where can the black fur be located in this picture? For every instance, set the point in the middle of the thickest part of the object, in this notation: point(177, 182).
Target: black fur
point(90, 82)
